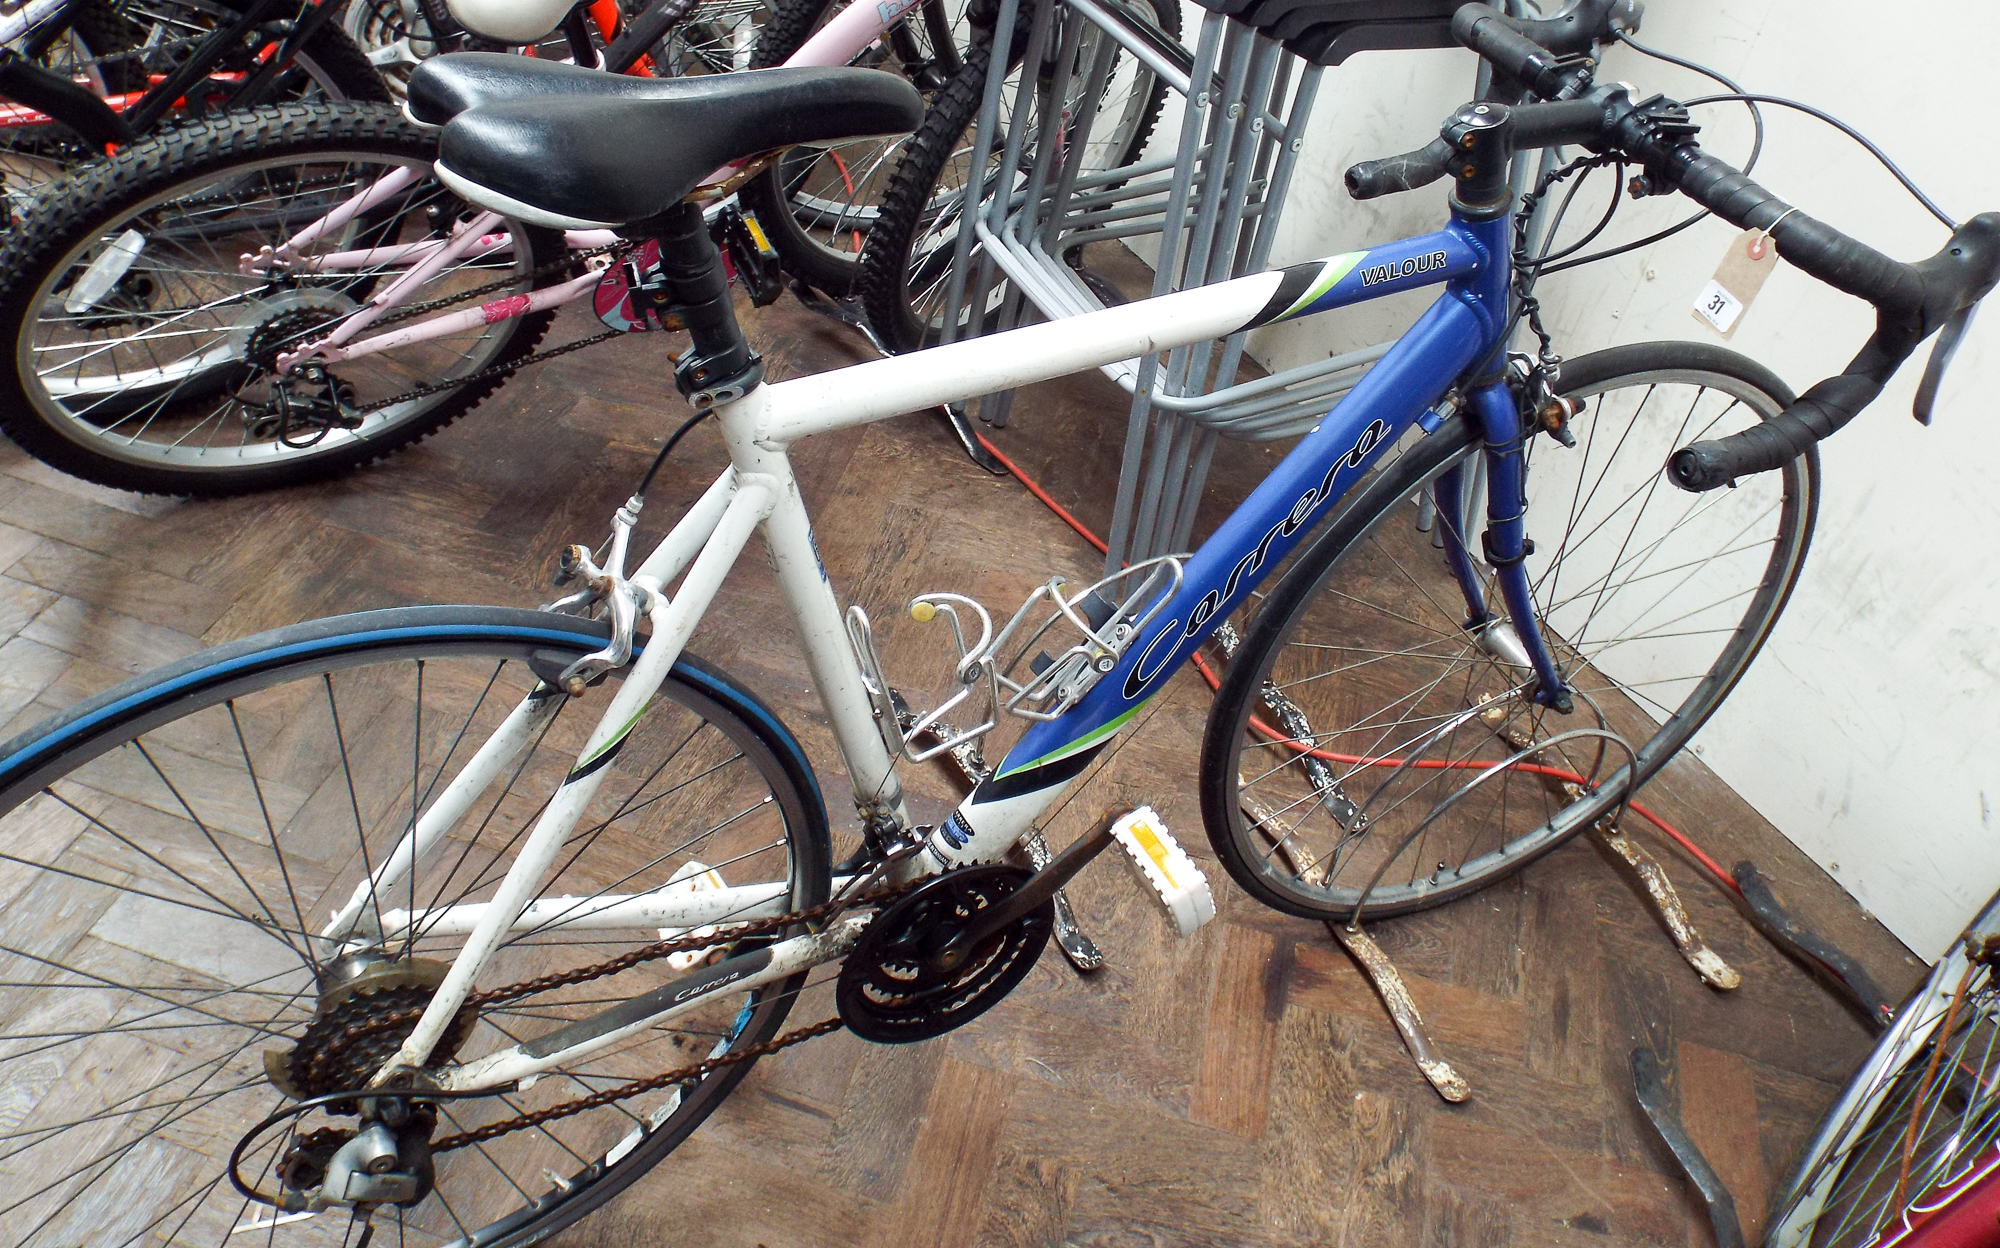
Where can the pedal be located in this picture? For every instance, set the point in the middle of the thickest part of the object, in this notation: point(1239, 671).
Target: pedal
point(1166, 869)
point(692, 877)
point(752, 259)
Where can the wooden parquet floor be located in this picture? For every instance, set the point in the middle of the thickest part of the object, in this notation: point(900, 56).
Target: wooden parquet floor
point(1239, 1088)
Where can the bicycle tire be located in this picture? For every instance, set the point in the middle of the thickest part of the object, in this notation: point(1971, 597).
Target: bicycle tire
point(1369, 623)
point(328, 63)
point(1928, 1087)
point(140, 187)
point(803, 254)
point(921, 195)
point(259, 701)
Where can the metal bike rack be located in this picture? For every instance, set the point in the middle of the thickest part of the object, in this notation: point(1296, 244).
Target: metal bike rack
point(1247, 91)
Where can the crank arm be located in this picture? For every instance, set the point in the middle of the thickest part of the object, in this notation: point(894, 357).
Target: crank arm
point(1043, 885)
point(969, 765)
point(1081, 951)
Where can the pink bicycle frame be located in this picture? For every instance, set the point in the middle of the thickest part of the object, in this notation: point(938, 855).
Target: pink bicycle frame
point(837, 43)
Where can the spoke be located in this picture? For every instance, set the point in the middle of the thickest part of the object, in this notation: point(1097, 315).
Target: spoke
point(271, 830)
point(353, 800)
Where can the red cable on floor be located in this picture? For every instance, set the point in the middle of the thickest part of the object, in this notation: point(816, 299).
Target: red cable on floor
point(1707, 863)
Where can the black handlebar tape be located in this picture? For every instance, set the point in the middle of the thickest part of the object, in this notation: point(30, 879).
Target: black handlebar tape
point(1819, 412)
point(1373, 178)
point(1481, 28)
point(1815, 247)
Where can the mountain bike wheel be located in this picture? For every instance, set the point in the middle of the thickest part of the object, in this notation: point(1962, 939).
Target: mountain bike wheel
point(1921, 1113)
point(182, 839)
point(1352, 738)
point(906, 264)
point(116, 48)
point(818, 203)
point(151, 368)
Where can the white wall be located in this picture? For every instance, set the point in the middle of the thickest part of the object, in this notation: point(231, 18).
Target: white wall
point(1868, 731)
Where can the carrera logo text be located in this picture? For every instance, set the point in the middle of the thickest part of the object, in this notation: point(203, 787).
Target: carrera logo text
point(1408, 268)
point(695, 990)
point(1146, 668)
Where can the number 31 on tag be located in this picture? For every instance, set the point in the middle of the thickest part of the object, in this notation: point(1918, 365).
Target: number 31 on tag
point(1723, 301)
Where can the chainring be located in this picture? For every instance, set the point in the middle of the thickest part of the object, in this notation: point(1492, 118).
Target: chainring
point(901, 984)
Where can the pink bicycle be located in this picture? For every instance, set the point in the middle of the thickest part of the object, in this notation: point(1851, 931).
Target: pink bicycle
point(282, 294)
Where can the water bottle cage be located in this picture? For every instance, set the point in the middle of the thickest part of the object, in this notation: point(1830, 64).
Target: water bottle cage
point(989, 668)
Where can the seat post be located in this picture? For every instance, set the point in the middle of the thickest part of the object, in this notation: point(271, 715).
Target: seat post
point(719, 367)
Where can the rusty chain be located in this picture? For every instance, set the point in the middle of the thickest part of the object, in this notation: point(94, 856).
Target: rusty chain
point(612, 966)
point(597, 1100)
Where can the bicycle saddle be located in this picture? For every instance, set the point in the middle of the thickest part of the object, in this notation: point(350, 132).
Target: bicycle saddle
point(567, 147)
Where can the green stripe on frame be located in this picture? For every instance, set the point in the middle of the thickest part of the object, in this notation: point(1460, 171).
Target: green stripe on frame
point(1082, 743)
point(1336, 267)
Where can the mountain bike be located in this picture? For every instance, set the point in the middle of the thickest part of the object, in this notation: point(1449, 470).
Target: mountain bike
point(460, 919)
point(80, 76)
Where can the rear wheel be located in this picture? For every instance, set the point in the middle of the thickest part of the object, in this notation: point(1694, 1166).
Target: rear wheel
point(144, 338)
point(906, 266)
point(818, 203)
point(182, 840)
point(114, 48)
point(1358, 751)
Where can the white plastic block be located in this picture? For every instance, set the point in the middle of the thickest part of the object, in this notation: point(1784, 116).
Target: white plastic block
point(691, 877)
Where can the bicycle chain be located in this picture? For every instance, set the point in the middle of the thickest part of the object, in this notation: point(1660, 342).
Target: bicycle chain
point(612, 966)
point(505, 368)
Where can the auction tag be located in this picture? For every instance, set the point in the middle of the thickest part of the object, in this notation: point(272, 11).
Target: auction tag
point(1749, 260)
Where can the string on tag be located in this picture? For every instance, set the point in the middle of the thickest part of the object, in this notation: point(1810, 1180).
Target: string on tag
point(1756, 248)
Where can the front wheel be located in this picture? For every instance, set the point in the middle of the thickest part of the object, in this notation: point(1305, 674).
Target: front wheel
point(1367, 749)
point(146, 309)
point(182, 840)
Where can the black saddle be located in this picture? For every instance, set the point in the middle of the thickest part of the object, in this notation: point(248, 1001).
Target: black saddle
point(560, 145)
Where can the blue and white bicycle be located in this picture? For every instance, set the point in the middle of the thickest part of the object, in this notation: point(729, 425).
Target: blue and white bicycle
point(453, 921)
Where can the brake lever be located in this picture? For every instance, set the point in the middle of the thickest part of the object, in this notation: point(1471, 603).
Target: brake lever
point(1941, 353)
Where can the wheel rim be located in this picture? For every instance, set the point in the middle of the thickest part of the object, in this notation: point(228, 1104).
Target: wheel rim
point(1653, 603)
point(162, 370)
point(1937, 1108)
point(175, 893)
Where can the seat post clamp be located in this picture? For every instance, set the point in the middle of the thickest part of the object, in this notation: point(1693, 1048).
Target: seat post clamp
point(695, 377)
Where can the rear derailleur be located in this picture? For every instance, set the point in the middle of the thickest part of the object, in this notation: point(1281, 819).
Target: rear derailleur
point(305, 405)
point(386, 1161)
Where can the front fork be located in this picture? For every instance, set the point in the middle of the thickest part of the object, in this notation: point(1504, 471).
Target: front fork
point(1504, 544)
